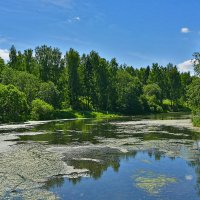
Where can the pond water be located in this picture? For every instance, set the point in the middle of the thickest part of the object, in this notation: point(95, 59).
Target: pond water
point(145, 157)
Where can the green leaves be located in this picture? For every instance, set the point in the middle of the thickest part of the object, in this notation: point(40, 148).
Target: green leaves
point(197, 63)
point(40, 110)
point(13, 104)
point(193, 94)
point(90, 82)
point(72, 59)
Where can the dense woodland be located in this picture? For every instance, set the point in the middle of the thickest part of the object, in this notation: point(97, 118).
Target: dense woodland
point(44, 84)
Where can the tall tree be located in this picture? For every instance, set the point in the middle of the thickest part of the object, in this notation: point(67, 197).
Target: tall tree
point(174, 83)
point(87, 76)
point(196, 61)
point(2, 64)
point(13, 57)
point(193, 95)
point(73, 61)
point(112, 89)
point(157, 75)
point(49, 60)
point(102, 81)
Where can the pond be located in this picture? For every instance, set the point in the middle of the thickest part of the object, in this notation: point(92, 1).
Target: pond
point(143, 157)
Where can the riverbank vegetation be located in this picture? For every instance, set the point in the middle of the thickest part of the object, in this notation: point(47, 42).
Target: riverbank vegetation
point(44, 84)
point(193, 92)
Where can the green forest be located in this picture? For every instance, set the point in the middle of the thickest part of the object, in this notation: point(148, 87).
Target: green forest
point(44, 84)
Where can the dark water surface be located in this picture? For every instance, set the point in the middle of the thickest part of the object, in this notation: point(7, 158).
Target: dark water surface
point(161, 160)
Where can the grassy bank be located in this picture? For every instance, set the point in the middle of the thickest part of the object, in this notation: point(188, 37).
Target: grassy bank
point(67, 114)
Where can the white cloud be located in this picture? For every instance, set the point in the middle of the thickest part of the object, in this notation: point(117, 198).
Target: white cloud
point(186, 66)
point(77, 18)
point(4, 53)
point(185, 30)
point(74, 19)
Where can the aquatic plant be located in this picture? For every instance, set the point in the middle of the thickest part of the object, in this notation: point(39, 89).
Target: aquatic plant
point(151, 182)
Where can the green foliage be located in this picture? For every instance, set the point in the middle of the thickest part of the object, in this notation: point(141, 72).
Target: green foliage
point(40, 110)
point(50, 63)
point(73, 61)
point(174, 84)
point(153, 90)
point(90, 82)
point(87, 79)
point(69, 113)
point(196, 120)
point(186, 80)
point(13, 104)
point(129, 90)
point(48, 92)
point(83, 104)
point(13, 57)
point(2, 65)
point(24, 81)
point(193, 95)
point(152, 93)
point(197, 63)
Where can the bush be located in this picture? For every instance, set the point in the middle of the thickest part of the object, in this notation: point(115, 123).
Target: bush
point(196, 120)
point(13, 104)
point(25, 82)
point(41, 110)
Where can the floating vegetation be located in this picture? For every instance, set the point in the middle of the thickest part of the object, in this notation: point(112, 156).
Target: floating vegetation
point(25, 170)
point(28, 169)
point(151, 182)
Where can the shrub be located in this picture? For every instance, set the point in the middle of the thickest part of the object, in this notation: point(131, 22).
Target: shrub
point(13, 104)
point(196, 120)
point(41, 110)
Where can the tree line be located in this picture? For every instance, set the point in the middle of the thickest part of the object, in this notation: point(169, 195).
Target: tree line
point(36, 83)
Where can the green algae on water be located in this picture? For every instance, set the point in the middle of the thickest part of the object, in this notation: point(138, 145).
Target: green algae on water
point(151, 182)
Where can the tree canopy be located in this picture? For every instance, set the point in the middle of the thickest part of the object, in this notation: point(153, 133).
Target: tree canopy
point(90, 82)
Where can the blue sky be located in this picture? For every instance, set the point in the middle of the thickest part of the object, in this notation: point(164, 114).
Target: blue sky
point(136, 32)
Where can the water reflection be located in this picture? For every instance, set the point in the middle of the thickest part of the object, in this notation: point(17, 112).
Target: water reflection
point(120, 171)
point(80, 131)
point(65, 132)
point(169, 151)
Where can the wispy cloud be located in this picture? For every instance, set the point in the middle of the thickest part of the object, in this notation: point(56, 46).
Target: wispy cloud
point(186, 66)
point(60, 3)
point(185, 30)
point(74, 19)
point(77, 18)
point(4, 53)
point(3, 39)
